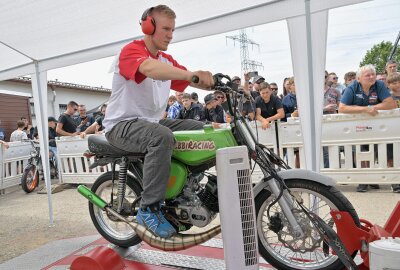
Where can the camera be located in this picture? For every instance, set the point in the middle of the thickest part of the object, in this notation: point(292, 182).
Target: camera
point(253, 74)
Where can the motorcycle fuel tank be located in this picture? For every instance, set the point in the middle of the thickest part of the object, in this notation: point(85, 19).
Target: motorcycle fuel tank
point(194, 147)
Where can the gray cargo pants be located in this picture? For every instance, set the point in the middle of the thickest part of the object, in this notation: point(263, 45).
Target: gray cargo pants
point(157, 142)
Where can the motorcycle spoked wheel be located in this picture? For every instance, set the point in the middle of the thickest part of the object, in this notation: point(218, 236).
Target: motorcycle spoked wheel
point(287, 252)
point(30, 178)
point(116, 232)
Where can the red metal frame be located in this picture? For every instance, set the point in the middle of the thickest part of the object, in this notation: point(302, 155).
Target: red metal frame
point(357, 238)
point(354, 238)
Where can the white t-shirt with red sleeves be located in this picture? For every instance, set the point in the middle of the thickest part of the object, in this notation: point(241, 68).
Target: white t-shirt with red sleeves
point(133, 94)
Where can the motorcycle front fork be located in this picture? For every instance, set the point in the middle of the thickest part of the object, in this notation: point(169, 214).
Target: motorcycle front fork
point(286, 202)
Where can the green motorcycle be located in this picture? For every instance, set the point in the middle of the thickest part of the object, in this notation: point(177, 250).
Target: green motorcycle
point(294, 225)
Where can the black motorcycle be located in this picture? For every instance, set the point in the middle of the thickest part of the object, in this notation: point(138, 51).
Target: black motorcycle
point(33, 171)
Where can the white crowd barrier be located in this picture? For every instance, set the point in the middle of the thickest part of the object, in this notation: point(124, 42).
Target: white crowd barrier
point(73, 166)
point(356, 148)
point(356, 145)
point(12, 161)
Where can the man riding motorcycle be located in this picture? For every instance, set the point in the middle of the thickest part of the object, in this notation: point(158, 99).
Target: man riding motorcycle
point(143, 77)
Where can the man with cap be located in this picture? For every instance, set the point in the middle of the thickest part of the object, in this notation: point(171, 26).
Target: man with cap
point(52, 122)
point(195, 99)
point(254, 91)
point(236, 80)
point(257, 80)
point(252, 87)
point(209, 115)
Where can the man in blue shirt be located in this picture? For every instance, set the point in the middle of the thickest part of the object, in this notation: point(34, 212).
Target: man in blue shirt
point(366, 95)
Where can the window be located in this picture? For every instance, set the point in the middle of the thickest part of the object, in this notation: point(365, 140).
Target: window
point(32, 109)
point(62, 108)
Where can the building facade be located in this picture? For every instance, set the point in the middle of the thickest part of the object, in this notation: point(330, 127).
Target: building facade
point(58, 96)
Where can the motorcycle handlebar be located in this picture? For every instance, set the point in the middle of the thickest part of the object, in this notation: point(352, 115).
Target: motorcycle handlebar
point(195, 79)
point(219, 84)
point(225, 87)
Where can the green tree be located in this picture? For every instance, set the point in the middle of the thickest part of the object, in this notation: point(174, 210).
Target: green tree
point(379, 54)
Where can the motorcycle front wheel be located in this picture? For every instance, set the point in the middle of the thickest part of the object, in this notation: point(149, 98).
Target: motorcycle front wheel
point(285, 251)
point(115, 231)
point(30, 178)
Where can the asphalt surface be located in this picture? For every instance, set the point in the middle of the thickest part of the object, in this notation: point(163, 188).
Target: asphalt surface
point(24, 218)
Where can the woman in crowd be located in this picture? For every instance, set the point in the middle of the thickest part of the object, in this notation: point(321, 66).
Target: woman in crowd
point(289, 102)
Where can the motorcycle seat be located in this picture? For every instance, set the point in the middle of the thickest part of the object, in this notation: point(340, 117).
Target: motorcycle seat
point(99, 145)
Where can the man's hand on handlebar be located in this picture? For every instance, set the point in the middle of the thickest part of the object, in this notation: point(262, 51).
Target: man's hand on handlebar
point(205, 80)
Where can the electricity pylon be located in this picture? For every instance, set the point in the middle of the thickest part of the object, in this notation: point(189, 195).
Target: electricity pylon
point(246, 64)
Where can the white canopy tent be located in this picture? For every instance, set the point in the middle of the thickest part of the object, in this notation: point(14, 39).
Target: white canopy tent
point(36, 36)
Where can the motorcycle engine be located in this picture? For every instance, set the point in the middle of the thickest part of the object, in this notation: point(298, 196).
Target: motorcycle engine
point(197, 205)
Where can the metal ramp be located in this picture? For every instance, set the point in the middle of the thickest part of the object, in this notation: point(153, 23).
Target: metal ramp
point(207, 256)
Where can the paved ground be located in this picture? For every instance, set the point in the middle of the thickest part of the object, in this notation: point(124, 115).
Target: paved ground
point(24, 218)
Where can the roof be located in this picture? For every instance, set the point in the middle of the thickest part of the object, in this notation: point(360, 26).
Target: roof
point(56, 83)
point(52, 34)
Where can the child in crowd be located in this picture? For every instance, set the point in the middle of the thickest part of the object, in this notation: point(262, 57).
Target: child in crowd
point(393, 82)
point(190, 110)
point(19, 134)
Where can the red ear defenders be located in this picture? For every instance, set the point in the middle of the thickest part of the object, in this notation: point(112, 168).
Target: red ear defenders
point(148, 23)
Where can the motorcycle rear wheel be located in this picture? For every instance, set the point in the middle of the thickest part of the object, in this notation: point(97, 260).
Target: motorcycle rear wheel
point(30, 178)
point(116, 232)
point(282, 250)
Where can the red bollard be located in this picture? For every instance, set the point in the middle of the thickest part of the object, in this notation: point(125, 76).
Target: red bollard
point(100, 258)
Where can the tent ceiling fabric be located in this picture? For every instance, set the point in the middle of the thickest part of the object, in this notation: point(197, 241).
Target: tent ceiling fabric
point(61, 33)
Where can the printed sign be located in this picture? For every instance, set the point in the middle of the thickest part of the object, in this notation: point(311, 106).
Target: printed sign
point(195, 145)
point(363, 128)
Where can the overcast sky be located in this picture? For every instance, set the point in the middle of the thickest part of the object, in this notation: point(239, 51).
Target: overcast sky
point(352, 30)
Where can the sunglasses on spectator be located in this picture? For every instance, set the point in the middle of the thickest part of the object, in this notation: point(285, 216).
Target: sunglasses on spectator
point(274, 89)
point(220, 97)
point(75, 109)
point(335, 78)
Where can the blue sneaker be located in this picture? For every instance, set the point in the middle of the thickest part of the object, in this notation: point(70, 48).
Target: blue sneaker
point(154, 220)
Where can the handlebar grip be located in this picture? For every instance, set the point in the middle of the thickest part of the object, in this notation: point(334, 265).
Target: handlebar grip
point(195, 79)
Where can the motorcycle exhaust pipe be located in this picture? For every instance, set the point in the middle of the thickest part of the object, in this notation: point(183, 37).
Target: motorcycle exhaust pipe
point(174, 243)
point(92, 197)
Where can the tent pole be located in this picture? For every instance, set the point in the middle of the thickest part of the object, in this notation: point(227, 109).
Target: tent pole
point(39, 90)
point(311, 88)
point(307, 36)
